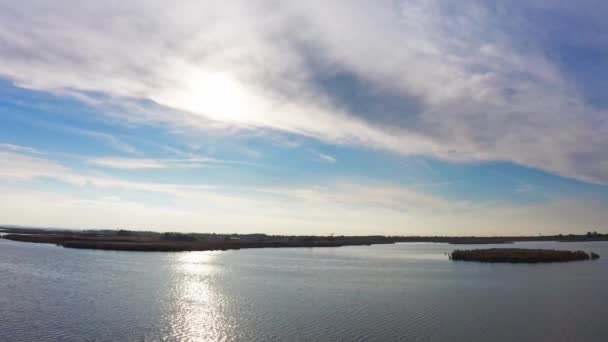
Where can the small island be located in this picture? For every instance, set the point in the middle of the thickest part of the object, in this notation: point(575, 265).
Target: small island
point(520, 255)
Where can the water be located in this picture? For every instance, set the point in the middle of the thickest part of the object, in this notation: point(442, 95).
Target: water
point(403, 292)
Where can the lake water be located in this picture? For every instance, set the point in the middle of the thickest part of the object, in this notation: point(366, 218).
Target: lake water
point(402, 292)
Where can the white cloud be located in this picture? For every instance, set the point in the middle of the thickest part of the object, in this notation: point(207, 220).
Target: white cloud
point(150, 163)
point(107, 139)
point(343, 208)
point(327, 158)
point(25, 167)
point(130, 163)
point(18, 148)
point(485, 91)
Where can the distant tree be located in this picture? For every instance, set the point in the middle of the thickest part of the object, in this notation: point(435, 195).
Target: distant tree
point(177, 237)
point(123, 232)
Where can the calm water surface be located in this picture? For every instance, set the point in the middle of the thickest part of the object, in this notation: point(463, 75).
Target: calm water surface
point(402, 292)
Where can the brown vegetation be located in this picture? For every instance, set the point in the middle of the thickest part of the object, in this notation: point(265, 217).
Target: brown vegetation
point(171, 241)
point(183, 242)
point(519, 255)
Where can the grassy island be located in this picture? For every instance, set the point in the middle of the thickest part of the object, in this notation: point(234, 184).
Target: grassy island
point(176, 242)
point(520, 255)
point(129, 240)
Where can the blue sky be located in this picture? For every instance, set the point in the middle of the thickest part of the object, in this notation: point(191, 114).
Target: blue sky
point(355, 117)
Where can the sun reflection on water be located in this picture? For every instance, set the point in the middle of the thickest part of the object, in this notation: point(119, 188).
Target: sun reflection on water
point(196, 312)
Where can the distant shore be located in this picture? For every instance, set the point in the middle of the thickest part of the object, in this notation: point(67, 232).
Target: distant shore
point(176, 242)
point(125, 240)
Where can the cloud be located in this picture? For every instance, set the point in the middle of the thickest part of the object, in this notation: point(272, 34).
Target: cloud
point(130, 163)
point(18, 148)
point(149, 163)
point(107, 139)
point(25, 167)
point(484, 88)
point(21, 167)
point(327, 158)
point(342, 207)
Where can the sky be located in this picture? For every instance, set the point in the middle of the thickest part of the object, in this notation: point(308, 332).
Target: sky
point(400, 117)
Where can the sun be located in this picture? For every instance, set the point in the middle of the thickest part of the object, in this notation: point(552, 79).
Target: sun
point(215, 95)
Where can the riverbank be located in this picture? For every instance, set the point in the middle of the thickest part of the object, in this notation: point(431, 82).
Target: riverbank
point(126, 240)
point(174, 244)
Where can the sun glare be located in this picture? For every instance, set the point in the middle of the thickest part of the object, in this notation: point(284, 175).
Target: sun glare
point(215, 95)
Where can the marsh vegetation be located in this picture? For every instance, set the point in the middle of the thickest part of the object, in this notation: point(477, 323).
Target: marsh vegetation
point(520, 255)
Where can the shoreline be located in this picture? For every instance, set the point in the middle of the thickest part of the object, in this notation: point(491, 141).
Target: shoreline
point(123, 240)
point(141, 245)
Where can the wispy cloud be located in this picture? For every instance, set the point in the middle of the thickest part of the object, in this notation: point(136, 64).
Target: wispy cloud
point(107, 139)
point(327, 158)
point(22, 166)
point(341, 206)
point(149, 163)
point(130, 163)
point(18, 148)
point(484, 89)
